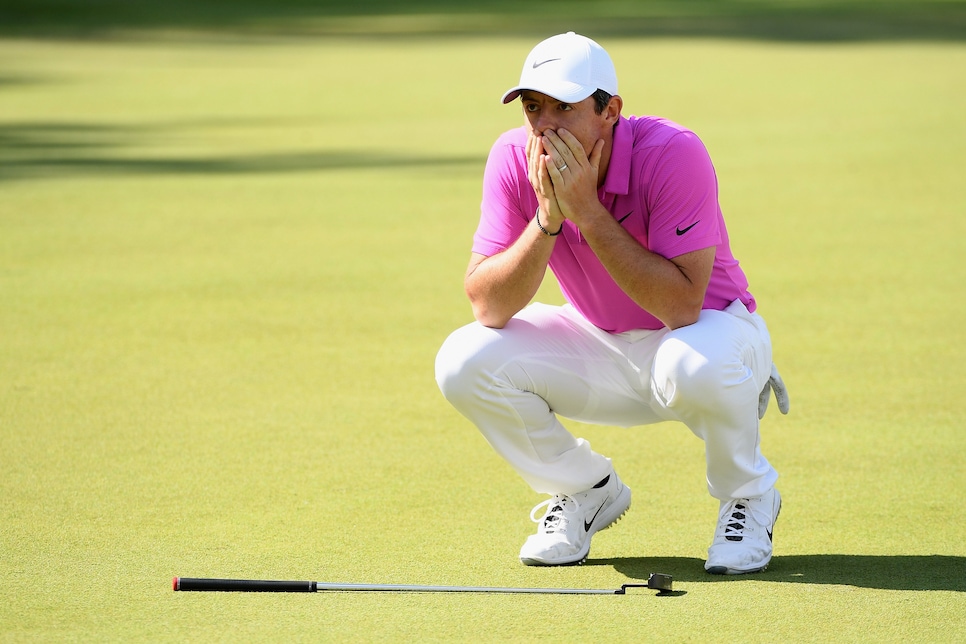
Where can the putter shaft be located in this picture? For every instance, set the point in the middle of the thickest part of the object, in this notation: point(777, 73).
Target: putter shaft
point(663, 583)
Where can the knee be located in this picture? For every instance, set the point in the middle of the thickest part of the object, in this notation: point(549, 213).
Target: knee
point(460, 363)
point(684, 376)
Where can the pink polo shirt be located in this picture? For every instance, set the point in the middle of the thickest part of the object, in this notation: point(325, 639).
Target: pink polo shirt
point(660, 185)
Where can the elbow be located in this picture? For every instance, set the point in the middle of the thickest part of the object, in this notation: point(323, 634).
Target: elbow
point(488, 310)
point(487, 317)
point(684, 316)
point(480, 301)
point(680, 321)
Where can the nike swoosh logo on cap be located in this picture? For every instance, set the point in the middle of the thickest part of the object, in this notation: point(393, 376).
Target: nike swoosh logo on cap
point(549, 60)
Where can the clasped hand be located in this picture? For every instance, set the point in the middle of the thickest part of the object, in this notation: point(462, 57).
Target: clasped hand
point(563, 176)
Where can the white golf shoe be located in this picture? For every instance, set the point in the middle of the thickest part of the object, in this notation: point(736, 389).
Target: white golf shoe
point(742, 542)
point(571, 520)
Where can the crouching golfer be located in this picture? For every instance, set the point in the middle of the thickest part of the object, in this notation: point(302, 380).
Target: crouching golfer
point(659, 323)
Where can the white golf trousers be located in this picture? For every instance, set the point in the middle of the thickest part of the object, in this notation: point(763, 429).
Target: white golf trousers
point(548, 361)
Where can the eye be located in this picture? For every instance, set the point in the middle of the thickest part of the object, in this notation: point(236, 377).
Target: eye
point(530, 107)
point(565, 107)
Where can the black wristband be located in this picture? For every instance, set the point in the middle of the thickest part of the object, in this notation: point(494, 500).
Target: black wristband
point(544, 230)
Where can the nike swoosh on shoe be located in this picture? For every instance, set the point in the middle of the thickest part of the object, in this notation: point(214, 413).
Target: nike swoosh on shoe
point(594, 518)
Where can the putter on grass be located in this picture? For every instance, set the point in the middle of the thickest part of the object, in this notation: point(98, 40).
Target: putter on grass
point(655, 581)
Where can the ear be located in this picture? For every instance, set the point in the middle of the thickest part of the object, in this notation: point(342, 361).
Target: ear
point(612, 112)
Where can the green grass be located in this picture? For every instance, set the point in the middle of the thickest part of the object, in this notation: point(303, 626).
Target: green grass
point(226, 265)
point(796, 20)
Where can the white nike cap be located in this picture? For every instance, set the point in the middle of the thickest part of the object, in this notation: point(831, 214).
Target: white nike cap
point(568, 67)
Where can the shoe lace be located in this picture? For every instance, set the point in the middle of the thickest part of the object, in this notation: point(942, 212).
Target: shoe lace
point(558, 506)
point(734, 518)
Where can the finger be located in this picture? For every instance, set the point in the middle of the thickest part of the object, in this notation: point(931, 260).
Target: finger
point(534, 153)
point(534, 145)
point(533, 142)
point(573, 147)
point(531, 152)
point(556, 148)
point(781, 391)
point(596, 154)
point(781, 395)
point(763, 398)
point(553, 166)
point(543, 173)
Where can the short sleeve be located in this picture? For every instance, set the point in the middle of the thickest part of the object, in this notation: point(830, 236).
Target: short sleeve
point(506, 207)
point(684, 215)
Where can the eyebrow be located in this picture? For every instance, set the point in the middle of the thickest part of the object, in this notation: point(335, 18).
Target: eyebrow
point(527, 95)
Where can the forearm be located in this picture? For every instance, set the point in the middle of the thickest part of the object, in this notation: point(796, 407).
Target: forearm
point(671, 290)
point(500, 286)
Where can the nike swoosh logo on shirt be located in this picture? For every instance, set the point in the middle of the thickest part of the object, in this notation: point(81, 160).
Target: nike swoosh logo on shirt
point(549, 60)
point(681, 231)
point(621, 220)
point(593, 518)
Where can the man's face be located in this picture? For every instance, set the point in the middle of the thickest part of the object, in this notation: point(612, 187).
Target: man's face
point(544, 113)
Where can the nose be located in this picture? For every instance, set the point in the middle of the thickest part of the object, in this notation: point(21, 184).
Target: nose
point(540, 123)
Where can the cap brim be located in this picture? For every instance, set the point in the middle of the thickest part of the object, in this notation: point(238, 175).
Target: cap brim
point(564, 91)
point(512, 94)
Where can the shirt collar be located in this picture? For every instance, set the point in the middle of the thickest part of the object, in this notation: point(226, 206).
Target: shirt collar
point(618, 177)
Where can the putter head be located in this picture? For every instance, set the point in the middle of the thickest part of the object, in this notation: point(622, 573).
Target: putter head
point(659, 581)
point(655, 581)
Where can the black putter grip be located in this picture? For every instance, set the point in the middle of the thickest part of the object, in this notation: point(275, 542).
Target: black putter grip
point(244, 585)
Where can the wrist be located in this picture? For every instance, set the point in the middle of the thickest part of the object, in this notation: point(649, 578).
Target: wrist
point(546, 232)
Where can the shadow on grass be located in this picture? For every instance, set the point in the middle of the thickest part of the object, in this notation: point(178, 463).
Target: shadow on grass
point(885, 572)
point(804, 20)
point(328, 160)
point(58, 149)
